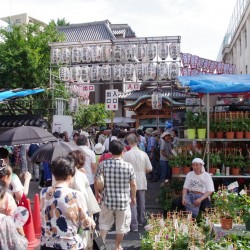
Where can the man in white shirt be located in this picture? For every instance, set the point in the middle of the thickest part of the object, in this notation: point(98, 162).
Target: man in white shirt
point(142, 165)
point(114, 135)
point(90, 162)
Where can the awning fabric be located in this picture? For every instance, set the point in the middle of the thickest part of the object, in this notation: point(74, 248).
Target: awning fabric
point(9, 94)
point(216, 84)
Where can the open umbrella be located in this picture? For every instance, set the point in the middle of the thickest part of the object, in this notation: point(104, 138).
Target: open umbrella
point(52, 150)
point(25, 135)
point(122, 125)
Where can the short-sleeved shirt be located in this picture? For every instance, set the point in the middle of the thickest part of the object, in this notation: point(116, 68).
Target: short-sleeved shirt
point(117, 177)
point(62, 214)
point(199, 183)
point(151, 143)
point(141, 163)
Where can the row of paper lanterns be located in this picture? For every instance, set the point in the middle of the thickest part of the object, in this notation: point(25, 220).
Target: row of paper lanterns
point(115, 53)
point(117, 73)
point(192, 62)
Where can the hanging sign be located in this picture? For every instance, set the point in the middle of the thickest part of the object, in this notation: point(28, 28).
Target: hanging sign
point(156, 100)
point(111, 99)
point(132, 86)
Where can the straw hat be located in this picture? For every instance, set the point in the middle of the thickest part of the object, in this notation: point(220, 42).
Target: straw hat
point(149, 131)
point(99, 148)
point(165, 133)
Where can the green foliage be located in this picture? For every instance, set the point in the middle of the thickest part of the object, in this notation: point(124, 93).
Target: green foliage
point(89, 115)
point(25, 55)
point(215, 159)
point(190, 119)
point(201, 120)
point(245, 206)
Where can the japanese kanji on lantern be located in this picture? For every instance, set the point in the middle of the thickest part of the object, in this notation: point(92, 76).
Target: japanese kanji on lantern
point(111, 99)
point(156, 100)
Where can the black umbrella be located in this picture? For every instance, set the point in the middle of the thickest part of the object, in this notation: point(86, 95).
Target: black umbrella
point(122, 125)
point(25, 135)
point(52, 150)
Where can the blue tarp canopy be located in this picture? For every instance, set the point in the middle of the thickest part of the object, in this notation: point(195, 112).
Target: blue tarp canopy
point(9, 94)
point(216, 84)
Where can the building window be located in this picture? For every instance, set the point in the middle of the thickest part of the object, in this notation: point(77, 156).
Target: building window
point(245, 38)
point(18, 20)
point(246, 70)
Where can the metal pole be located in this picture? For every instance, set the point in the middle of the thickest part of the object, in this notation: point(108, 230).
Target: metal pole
point(208, 131)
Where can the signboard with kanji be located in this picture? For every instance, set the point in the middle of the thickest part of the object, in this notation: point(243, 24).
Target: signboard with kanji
point(132, 86)
point(156, 100)
point(111, 99)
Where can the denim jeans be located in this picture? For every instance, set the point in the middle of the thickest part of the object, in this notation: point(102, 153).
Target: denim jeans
point(165, 170)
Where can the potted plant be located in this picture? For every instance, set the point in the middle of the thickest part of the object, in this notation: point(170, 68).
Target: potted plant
point(214, 161)
point(201, 124)
point(190, 124)
point(227, 204)
point(175, 164)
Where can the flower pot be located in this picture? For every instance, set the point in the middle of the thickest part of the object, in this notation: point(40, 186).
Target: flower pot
point(176, 170)
point(220, 135)
point(247, 134)
point(201, 133)
point(211, 134)
point(212, 170)
point(191, 133)
point(239, 135)
point(235, 171)
point(247, 224)
point(230, 135)
point(185, 170)
point(226, 223)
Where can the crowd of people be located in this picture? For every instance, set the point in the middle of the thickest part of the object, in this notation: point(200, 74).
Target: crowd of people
point(71, 200)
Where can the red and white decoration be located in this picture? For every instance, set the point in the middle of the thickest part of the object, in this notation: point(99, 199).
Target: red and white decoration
point(111, 99)
point(132, 86)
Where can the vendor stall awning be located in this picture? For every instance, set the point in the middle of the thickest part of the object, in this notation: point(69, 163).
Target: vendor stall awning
point(216, 84)
point(11, 94)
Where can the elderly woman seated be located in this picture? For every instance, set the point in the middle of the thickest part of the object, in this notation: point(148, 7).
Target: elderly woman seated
point(197, 188)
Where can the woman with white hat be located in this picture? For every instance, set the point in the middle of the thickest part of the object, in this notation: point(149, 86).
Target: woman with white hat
point(99, 150)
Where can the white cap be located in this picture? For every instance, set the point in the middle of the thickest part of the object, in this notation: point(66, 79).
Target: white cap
point(198, 160)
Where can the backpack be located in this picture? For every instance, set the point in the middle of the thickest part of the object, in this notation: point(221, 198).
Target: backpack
point(32, 148)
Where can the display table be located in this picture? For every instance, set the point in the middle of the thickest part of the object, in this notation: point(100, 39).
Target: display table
point(238, 229)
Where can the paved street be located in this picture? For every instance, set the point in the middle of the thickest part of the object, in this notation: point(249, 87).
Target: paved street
point(132, 239)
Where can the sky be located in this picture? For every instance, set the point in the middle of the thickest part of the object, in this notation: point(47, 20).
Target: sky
point(201, 24)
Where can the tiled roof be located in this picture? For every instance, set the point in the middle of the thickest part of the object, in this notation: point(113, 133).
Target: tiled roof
point(87, 31)
point(133, 95)
point(100, 30)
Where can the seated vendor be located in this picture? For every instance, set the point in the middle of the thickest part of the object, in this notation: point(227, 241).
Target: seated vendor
point(197, 188)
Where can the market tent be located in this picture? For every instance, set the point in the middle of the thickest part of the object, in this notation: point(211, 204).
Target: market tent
point(11, 94)
point(212, 84)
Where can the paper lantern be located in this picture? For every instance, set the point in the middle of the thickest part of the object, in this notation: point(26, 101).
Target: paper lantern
point(86, 54)
point(206, 64)
point(173, 70)
point(141, 71)
point(95, 74)
point(117, 73)
point(64, 74)
point(76, 54)
point(106, 74)
point(212, 66)
point(174, 50)
point(73, 104)
point(129, 72)
point(151, 71)
point(163, 73)
point(156, 100)
point(140, 51)
point(118, 53)
point(76, 74)
point(193, 61)
point(96, 53)
point(129, 52)
point(106, 53)
point(220, 68)
point(185, 59)
point(85, 73)
point(55, 56)
point(151, 51)
point(65, 55)
point(200, 63)
point(163, 50)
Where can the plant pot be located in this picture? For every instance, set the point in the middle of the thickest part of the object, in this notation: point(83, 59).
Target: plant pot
point(226, 223)
point(239, 135)
point(211, 134)
point(230, 135)
point(220, 135)
point(201, 133)
point(235, 171)
point(185, 170)
point(191, 133)
point(176, 170)
point(247, 224)
point(247, 134)
point(212, 170)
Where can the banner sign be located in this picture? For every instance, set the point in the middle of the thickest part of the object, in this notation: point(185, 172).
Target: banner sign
point(111, 99)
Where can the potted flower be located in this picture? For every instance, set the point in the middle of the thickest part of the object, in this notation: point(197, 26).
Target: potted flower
point(214, 161)
point(238, 162)
point(201, 124)
point(190, 124)
point(228, 206)
point(175, 164)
